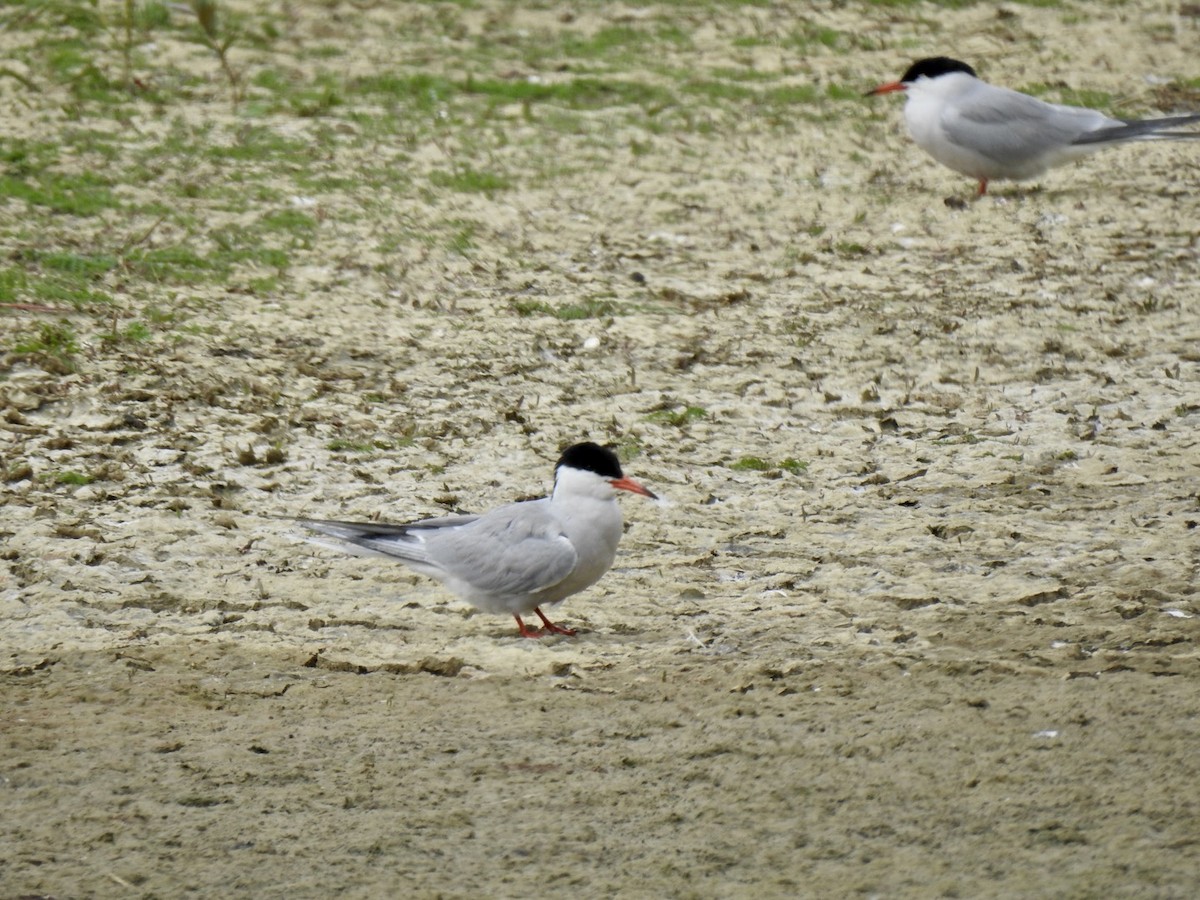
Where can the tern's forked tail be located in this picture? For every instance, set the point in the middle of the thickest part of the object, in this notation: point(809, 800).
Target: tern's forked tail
point(1143, 130)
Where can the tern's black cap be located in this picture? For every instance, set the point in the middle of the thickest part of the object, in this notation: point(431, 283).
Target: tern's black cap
point(589, 457)
point(935, 66)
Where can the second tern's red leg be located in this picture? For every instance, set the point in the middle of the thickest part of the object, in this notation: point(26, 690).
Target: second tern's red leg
point(550, 626)
point(526, 631)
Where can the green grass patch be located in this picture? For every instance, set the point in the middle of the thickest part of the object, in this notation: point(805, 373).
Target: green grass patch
point(290, 221)
point(811, 35)
point(56, 278)
point(751, 464)
point(178, 265)
point(23, 158)
point(234, 246)
point(69, 14)
point(677, 417)
point(157, 316)
point(590, 308)
point(150, 16)
point(52, 345)
point(325, 51)
point(470, 181)
point(342, 445)
point(628, 448)
point(13, 285)
point(57, 291)
point(261, 144)
point(82, 194)
point(423, 91)
point(578, 93)
point(749, 99)
point(85, 265)
point(615, 46)
point(346, 445)
point(305, 98)
point(758, 464)
point(74, 65)
point(428, 92)
point(133, 333)
point(1101, 100)
point(463, 239)
point(72, 478)
point(184, 265)
point(945, 4)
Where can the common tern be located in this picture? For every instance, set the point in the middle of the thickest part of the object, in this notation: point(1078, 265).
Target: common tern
point(993, 133)
point(519, 557)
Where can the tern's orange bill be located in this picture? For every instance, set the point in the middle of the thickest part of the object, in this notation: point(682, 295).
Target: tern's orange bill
point(888, 88)
point(625, 483)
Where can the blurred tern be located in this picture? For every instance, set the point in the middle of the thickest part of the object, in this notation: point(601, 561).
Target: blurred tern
point(519, 557)
point(993, 133)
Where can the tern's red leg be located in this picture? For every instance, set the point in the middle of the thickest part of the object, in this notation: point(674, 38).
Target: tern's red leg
point(525, 630)
point(982, 187)
point(550, 626)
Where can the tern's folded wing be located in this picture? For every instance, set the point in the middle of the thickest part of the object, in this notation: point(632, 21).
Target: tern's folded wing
point(520, 549)
point(1009, 126)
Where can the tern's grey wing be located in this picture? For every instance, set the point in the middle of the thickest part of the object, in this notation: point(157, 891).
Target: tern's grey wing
point(441, 522)
point(348, 530)
point(1007, 126)
point(515, 550)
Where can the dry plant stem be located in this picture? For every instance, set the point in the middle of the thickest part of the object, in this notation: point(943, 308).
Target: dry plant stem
point(26, 82)
point(143, 237)
point(206, 16)
point(127, 47)
point(235, 84)
point(35, 307)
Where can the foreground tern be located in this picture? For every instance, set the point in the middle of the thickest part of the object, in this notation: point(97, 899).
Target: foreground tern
point(519, 557)
point(993, 133)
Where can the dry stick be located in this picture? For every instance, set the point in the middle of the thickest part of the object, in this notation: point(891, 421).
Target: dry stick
point(234, 81)
point(206, 15)
point(37, 307)
point(127, 50)
point(27, 82)
point(145, 236)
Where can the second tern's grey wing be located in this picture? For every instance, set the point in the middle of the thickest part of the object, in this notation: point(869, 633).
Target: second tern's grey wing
point(515, 550)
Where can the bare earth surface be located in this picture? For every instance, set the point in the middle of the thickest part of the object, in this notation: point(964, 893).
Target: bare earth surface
point(920, 618)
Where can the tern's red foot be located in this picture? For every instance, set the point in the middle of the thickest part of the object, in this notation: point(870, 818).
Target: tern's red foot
point(525, 630)
point(983, 182)
point(550, 626)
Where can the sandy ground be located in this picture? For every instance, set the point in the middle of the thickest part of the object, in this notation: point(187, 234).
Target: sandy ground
point(949, 652)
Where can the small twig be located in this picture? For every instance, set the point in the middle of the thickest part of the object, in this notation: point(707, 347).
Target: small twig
point(37, 307)
point(127, 48)
point(206, 15)
point(25, 80)
point(141, 239)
